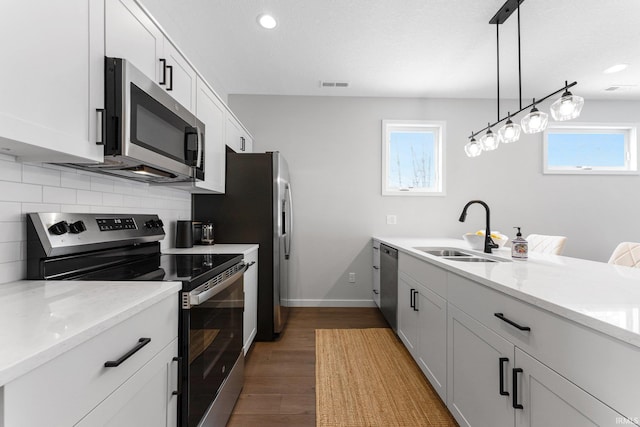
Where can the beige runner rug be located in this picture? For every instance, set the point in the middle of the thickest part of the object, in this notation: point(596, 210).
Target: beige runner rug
point(365, 377)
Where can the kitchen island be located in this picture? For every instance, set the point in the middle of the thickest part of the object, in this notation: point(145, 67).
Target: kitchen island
point(552, 338)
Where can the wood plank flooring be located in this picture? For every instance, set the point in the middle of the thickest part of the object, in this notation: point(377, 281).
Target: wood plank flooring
point(279, 385)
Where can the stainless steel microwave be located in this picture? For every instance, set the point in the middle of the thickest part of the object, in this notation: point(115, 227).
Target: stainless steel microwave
point(148, 136)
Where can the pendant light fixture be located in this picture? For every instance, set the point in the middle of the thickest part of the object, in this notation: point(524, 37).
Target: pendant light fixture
point(567, 107)
point(489, 140)
point(510, 132)
point(473, 148)
point(536, 121)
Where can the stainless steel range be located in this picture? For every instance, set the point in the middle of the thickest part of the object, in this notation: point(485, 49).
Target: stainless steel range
point(120, 247)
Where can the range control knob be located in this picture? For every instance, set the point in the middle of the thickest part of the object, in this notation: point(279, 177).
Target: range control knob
point(59, 228)
point(149, 224)
point(159, 223)
point(77, 227)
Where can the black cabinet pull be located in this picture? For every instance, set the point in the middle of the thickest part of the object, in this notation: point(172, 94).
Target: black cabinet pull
point(516, 405)
point(375, 267)
point(242, 143)
point(375, 291)
point(503, 392)
point(415, 302)
point(511, 322)
point(411, 303)
point(179, 390)
point(114, 363)
point(170, 68)
point(164, 72)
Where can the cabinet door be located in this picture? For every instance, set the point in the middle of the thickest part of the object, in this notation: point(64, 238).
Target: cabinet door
point(549, 399)
point(473, 373)
point(132, 35)
point(234, 133)
point(407, 315)
point(212, 113)
point(181, 77)
point(376, 273)
point(250, 300)
point(51, 79)
point(432, 339)
point(145, 399)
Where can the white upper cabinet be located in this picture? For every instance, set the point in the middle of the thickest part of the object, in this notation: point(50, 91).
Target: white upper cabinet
point(52, 79)
point(212, 113)
point(132, 35)
point(237, 138)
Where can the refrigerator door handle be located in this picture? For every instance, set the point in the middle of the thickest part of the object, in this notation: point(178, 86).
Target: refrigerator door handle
point(287, 245)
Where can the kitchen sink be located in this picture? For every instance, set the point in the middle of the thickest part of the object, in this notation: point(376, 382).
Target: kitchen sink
point(454, 254)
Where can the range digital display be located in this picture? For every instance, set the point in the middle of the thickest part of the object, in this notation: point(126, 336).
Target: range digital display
point(111, 224)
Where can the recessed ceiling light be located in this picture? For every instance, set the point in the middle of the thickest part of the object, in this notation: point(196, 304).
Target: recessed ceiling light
point(616, 68)
point(267, 21)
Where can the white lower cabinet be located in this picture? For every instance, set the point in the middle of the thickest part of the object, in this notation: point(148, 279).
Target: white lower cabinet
point(422, 326)
point(250, 300)
point(76, 388)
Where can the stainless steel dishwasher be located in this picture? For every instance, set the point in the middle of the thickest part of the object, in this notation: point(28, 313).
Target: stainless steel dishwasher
point(389, 284)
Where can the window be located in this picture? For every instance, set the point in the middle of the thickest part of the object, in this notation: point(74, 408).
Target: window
point(590, 149)
point(413, 158)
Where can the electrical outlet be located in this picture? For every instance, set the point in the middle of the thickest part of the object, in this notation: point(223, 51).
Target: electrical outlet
point(352, 277)
point(392, 219)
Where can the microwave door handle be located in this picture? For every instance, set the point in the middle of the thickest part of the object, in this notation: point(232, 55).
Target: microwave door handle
point(200, 147)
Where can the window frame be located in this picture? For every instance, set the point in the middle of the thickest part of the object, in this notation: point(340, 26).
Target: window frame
point(389, 126)
point(630, 144)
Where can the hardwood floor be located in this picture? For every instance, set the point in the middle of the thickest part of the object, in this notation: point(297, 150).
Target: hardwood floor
point(279, 385)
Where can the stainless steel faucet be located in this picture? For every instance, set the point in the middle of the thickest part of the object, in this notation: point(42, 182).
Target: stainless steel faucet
point(488, 241)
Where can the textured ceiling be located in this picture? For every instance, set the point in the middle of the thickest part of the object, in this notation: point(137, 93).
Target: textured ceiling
point(408, 48)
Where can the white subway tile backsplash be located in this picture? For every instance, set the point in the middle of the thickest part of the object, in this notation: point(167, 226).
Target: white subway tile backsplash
point(75, 180)
point(35, 174)
point(19, 192)
point(51, 188)
point(12, 231)
point(10, 171)
point(98, 183)
point(10, 211)
point(89, 197)
point(10, 251)
point(59, 195)
point(112, 199)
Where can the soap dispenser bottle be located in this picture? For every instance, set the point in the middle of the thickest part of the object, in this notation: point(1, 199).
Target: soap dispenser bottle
point(519, 247)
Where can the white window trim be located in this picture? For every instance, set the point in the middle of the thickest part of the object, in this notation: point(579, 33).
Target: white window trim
point(631, 148)
point(387, 126)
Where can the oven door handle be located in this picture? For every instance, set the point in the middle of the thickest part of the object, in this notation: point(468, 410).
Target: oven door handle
point(197, 297)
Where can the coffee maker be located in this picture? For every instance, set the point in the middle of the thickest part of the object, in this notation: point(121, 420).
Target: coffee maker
point(189, 233)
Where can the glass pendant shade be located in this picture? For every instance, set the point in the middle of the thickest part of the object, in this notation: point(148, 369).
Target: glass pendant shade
point(567, 107)
point(510, 132)
point(489, 141)
point(473, 148)
point(534, 122)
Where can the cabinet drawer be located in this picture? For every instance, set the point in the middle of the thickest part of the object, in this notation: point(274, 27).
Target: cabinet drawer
point(430, 276)
point(68, 387)
point(601, 365)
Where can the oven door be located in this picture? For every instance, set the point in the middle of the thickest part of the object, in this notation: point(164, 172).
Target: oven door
point(211, 344)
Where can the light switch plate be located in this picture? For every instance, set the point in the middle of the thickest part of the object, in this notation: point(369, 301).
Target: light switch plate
point(392, 219)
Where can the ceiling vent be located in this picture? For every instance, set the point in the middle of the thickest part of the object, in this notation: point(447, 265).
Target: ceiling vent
point(621, 88)
point(334, 84)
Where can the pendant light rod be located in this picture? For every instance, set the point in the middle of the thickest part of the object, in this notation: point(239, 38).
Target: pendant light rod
point(505, 11)
point(498, 67)
point(540, 100)
point(519, 61)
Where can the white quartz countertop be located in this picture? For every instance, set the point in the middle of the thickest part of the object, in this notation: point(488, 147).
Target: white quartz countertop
point(40, 319)
point(218, 248)
point(598, 295)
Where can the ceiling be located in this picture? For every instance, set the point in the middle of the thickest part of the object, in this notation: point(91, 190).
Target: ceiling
point(408, 48)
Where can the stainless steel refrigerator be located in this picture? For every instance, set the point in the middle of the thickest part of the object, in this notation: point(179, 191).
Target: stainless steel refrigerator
point(256, 208)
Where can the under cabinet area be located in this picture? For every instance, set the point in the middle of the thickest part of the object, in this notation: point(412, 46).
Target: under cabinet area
point(139, 387)
point(53, 80)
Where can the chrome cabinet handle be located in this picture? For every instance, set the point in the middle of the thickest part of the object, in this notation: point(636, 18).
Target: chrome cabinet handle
point(115, 363)
point(100, 129)
point(511, 322)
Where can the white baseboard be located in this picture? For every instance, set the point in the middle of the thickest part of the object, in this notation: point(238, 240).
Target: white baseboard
point(330, 303)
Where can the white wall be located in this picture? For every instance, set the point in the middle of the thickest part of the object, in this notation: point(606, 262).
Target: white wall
point(28, 188)
point(333, 147)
